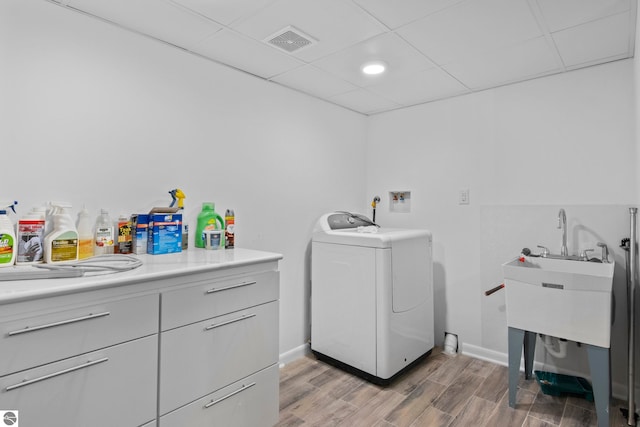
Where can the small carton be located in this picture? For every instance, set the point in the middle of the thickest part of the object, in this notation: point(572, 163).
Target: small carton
point(140, 226)
point(164, 233)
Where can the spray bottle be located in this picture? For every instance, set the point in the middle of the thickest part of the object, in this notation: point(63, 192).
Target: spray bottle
point(229, 231)
point(179, 196)
point(8, 246)
point(85, 234)
point(61, 244)
point(208, 219)
point(30, 235)
point(104, 234)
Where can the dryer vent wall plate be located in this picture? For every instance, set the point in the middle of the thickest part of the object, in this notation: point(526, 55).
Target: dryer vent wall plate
point(400, 201)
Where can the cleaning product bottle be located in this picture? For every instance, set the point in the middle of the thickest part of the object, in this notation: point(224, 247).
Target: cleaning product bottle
point(123, 233)
point(208, 219)
point(8, 247)
point(85, 234)
point(229, 231)
point(30, 237)
point(51, 210)
point(104, 234)
point(177, 194)
point(62, 243)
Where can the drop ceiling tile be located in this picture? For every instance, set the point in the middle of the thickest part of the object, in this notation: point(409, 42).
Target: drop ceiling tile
point(156, 18)
point(400, 12)
point(420, 87)
point(363, 101)
point(466, 28)
point(529, 59)
point(596, 41)
point(244, 53)
point(568, 13)
point(335, 24)
point(401, 59)
point(225, 11)
point(314, 81)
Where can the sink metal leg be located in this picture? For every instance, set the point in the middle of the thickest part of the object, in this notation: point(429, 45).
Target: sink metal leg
point(518, 338)
point(529, 351)
point(599, 365)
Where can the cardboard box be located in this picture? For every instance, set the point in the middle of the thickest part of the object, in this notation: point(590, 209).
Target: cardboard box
point(140, 226)
point(164, 233)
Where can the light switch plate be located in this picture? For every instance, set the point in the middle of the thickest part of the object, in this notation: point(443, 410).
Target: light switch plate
point(463, 198)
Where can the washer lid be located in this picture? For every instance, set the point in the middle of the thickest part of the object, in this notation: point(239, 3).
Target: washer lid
point(372, 237)
point(341, 220)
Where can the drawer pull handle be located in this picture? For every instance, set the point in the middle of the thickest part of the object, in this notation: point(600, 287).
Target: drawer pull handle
point(217, 325)
point(62, 322)
point(233, 393)
point(226, 288)
point(55, 374)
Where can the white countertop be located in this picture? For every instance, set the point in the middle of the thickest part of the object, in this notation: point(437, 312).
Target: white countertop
point(193, 260)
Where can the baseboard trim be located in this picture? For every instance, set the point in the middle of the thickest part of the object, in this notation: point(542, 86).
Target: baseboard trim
point(294, 354)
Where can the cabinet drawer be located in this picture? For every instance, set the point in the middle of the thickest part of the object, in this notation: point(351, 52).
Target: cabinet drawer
point(252, 402)
point(115, 386)
point(46, 338)
point(198, 359)
point(215, 298)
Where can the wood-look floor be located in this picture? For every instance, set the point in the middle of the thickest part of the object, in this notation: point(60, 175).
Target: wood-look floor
point(443, 390)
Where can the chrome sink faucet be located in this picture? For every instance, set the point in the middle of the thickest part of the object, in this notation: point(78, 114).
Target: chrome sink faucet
point(562, 223)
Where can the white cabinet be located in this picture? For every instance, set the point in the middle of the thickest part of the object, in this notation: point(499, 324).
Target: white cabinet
point(211, 298)
point(37, 339)
point(68, 366)
point(186, 340)
point(99, 389)
point(246, 403)
point(227, 337)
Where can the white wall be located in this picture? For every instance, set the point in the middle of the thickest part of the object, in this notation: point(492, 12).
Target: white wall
point(523, 151)
point(93, 114)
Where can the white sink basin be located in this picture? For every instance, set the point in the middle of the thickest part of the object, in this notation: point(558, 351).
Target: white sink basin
point(560, 298)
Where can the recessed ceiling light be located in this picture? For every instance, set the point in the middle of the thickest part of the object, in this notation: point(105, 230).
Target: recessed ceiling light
point(374, 67)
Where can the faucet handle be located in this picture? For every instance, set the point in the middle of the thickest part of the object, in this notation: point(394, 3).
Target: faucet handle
point(605, 251)
point(584, 256)
point(545, 251)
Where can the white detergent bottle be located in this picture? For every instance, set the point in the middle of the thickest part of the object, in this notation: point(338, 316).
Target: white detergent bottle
point(50, 210)
point(61, 244)
point(8, 242)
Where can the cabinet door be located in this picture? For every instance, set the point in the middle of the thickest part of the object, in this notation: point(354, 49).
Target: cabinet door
point(198, 359)
point(251, 402)
point(115, 386)
point(217, 297)
point(34, 341)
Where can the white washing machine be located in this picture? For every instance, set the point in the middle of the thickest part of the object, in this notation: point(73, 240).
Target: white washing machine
point(371, 296)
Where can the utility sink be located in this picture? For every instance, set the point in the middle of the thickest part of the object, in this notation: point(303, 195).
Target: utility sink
point(562, 298)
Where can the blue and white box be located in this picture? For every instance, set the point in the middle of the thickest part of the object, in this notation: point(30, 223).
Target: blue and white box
point(164, 233)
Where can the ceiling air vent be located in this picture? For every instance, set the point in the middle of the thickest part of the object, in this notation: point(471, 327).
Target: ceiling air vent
point(290, 39)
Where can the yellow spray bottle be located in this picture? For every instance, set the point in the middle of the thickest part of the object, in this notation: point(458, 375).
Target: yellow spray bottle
point(179, 196)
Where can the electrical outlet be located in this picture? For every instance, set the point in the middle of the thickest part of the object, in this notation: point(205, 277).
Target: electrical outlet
point(463, 198)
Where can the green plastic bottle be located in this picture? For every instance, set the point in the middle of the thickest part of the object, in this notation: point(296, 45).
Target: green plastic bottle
point(208, 219)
